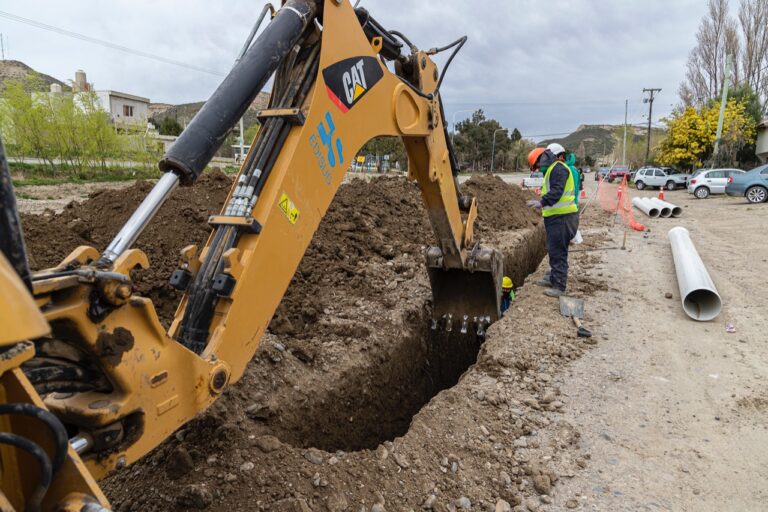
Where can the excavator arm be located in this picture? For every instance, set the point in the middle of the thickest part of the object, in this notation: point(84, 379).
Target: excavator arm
point(340, 79)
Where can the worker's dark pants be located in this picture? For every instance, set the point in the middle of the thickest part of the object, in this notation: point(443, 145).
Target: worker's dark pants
point(560, 231)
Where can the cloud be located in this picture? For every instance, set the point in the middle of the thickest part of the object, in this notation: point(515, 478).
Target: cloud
point(543, 67)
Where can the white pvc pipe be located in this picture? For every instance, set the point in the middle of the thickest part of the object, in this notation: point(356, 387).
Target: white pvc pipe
point(645, 207)
point(697, 291)
point(676, 210)
point(664, 211)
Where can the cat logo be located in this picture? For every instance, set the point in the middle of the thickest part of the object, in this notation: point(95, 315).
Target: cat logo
point(348, 81)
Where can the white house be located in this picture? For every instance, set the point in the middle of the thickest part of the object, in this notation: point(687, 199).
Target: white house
point(124, 108)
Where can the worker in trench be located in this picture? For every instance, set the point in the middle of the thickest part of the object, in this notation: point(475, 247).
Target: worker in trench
point(560, 211)
point(507, 294)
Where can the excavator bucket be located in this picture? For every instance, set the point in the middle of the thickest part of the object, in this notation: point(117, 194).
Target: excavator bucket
point(467, 300)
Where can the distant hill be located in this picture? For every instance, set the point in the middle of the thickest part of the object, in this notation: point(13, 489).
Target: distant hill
point(16, 70)
point(185, 112)
point(605, 142)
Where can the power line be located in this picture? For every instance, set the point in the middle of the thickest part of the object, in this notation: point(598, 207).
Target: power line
point(106, 44)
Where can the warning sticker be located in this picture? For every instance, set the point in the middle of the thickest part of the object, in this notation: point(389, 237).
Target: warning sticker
point(288, 208)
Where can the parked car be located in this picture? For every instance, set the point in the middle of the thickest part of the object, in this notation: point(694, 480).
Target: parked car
point(710, 181)
point(587, 170)
point(618, 172)
point(657, 177)
point(601, 173)
point(753, 185)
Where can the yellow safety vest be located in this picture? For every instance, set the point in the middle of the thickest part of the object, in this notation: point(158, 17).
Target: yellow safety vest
point(567, 202)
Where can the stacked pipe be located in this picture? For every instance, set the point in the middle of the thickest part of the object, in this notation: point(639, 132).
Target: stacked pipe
point(654, 207)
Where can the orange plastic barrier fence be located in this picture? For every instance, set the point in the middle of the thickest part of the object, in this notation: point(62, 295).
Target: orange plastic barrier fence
point(617, 200)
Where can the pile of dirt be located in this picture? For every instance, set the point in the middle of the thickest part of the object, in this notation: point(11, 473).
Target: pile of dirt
point(501, 206)
point(183, 220)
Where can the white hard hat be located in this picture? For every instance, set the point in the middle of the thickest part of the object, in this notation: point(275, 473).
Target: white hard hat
point(556, 149)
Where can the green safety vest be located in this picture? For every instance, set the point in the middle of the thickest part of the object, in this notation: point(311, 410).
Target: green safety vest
point(567, 202)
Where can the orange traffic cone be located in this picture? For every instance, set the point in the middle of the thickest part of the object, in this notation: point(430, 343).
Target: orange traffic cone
point(661, 193)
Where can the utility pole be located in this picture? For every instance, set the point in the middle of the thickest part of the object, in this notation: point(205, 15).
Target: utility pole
point(650, 117)
point(2, 46)
point(624, 155)
point(723, 101)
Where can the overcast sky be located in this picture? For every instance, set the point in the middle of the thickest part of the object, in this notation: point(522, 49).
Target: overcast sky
point(544, 67)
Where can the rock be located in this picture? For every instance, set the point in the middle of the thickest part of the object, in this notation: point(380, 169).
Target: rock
point(503, 506)
point(401, 460)
point(429, 503)
point(381, 452)
point(505, 478)
point(484, 430)
point(247, 466)
point(532, 505)
point(179, 463)
point(195, 496)
point(230, 477)
point(336, 502)
point(378, 507)
point(292, 505)
point(542, 484)
point(267, 443)
point(545, 499)
point(314, 456)
point(571, 503)
point(557, 404)
point(668, 295)
point(548, 397)
point(463, 503)
point(521, 443)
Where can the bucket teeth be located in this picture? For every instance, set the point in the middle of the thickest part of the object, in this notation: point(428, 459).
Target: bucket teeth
point(448, 320)
point(434, 324)
point(464, 324)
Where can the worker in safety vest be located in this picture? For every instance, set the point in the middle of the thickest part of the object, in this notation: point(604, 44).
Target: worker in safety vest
point(507, 294)
point(560, 212)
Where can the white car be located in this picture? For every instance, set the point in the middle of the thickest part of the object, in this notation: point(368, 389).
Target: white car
point(710, 181)
point(655, 177)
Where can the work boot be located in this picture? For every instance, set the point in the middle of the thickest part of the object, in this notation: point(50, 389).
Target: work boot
point(545, 282)
point(554, 292)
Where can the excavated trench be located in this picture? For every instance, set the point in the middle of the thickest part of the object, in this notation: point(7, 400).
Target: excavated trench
point(376, 402)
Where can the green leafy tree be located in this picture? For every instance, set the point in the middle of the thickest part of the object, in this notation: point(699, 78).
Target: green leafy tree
point(474, 142)
point(169, 126)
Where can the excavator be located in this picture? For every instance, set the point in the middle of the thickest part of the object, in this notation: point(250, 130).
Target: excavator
point(90, 381)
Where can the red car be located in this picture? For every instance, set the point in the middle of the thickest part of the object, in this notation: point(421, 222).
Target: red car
point(618, 172)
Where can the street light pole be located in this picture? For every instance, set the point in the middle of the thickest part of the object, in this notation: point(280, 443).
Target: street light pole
point(493, 145)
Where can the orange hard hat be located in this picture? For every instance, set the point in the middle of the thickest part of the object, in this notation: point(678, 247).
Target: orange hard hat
point(534, 155)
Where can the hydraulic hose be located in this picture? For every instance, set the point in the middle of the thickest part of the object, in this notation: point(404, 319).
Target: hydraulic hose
point(197, 144)
point(46, 473)
point(51, 421)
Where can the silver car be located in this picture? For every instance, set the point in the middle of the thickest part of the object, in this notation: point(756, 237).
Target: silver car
point(655, 177)
point(710, 181)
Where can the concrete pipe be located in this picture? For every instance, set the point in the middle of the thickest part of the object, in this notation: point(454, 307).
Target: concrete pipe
point(697, 291)
point(676, 210)
point(648, 209)
point(664, 211)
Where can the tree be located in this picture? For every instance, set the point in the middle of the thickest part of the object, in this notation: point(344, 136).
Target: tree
point(691, 137)
point(744, 39)
point(753, 20)
point(392, 146)
point(474, 142)
point(717, 37)
point(170, 126)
